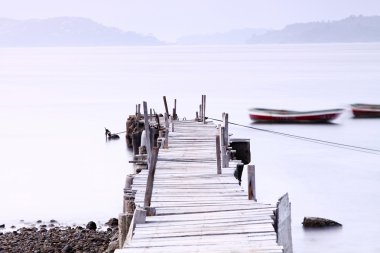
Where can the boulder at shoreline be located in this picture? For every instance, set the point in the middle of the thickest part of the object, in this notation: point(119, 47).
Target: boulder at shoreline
point(317, 222)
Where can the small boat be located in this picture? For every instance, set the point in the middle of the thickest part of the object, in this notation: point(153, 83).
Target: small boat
point(286, 116)
point(365, 110)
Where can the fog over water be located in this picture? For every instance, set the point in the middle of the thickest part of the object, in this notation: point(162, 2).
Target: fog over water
point(170, 19)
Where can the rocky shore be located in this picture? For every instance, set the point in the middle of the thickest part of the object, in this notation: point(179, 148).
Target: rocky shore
point(53, 238)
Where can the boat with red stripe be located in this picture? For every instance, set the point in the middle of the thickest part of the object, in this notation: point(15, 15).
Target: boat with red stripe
point(287, 116)
point(366, 110)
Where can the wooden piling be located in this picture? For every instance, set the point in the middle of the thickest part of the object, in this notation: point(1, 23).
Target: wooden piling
point(204, 109)
point(123, 229)
point(150, 179)
point(129, 206)
point(171, 120)
point(218, 161)
point(147, 131)
point(223, 148)
point(283, 223)
point(175, 109)
point(225, 125)
point(166, 142)
point(138, 112)
point(139, 215)
point(251, 182)
point(136, 142)
point(201, 112)
point(128, 182)
point(166, 106)
point(129, 201)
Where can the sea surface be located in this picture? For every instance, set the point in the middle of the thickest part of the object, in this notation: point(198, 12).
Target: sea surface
point(55, 103)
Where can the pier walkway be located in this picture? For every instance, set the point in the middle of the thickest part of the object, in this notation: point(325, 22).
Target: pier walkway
point(196, 209)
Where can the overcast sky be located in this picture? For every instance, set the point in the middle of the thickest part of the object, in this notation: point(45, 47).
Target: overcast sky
point(169, 19)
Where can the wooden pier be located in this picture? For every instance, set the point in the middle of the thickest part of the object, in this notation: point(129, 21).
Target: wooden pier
point(188, 200)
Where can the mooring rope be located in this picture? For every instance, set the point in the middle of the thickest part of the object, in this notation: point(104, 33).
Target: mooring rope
point(323, 142)
point(120, 132)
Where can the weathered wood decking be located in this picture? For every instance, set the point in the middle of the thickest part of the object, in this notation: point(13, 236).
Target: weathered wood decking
point(198, 210)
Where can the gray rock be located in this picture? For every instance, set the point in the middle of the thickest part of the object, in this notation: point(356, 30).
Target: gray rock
point(317, 222)
point(91, 225)
point(67, 249)
point(113, 222)
point(112, 247)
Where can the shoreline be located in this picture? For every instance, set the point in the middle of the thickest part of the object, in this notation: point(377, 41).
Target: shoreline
point(12, 226)
point(52, 236)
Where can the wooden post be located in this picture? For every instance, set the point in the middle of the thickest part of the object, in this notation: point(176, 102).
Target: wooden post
point(123, 230)
point(221, 131)
point(166, 106)
point(251, 182)
point(225, 124)
point(128, 220)
point(150, 114)
point(166, 143)
point(204, 109)
point(157, 120)
point(129, 201)
point(128, 182)
point(147, 132)
point(175, 109)
point(196, 116)
point(128, 209)
point(138, 112)
point(283, 224)
point(171, 119)
point(136, 142)
point(225, 140)
point(225, 163)
point(139, 215)
point(150, 179)
point(200, 112)
point(217, 145)
point(223, 149)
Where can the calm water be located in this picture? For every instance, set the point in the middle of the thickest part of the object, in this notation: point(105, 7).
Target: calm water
point(55, 103)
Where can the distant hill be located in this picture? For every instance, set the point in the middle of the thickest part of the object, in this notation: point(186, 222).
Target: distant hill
point(351, 29)
point(237, 36)
point(67, 31)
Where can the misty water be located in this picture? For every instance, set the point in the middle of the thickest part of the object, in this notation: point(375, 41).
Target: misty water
point(55, 102)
